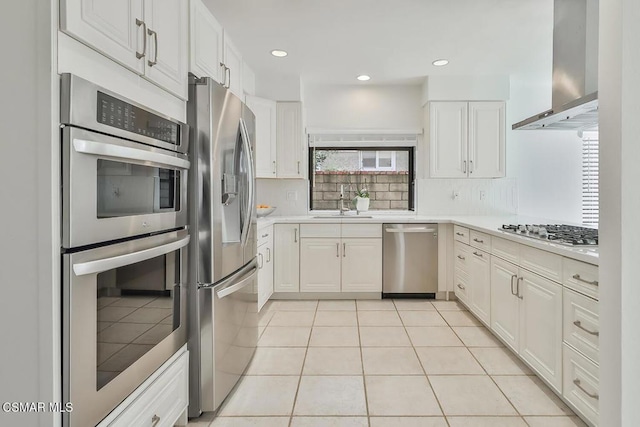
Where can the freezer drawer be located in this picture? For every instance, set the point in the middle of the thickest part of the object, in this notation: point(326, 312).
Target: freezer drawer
point(410, 260)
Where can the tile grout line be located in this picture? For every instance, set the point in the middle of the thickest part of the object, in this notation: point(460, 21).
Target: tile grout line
point(404, 327)
point(364, 378)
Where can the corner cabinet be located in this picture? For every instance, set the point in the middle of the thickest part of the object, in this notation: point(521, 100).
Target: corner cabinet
point(149, 37)
point(467, 139)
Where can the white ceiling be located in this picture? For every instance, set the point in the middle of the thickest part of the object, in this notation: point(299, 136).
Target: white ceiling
point(394, 41)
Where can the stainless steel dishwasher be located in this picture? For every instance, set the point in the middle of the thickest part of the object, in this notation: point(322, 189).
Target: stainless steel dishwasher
point(410, 260)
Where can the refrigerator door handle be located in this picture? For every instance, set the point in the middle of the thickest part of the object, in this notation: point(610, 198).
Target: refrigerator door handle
point(232, 288)
point(244, 133)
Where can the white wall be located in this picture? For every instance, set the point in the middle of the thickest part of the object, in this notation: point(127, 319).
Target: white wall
point(547, 164)
point(29, 248)
point(619, 86)
point(278, 87)
point(363, 107)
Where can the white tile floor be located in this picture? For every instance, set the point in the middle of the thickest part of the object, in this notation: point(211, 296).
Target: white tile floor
point(384, 364)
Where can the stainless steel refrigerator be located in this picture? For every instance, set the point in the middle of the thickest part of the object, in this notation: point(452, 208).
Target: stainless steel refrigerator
point(223, 307)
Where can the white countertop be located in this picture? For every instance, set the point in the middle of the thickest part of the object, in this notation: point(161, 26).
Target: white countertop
point(486, 224)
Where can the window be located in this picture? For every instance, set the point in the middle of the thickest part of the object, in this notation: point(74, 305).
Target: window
point(386, 173)
point(590, 194)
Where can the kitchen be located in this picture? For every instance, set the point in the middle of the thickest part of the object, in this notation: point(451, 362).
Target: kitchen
point(543, 170)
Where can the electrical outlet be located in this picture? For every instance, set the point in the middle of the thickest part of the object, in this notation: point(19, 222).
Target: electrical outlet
point(292, 195)
point(483, 194)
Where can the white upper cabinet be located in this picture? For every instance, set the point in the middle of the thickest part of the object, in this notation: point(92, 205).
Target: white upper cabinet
point(114, 28)
point(448, 138)
point(206, 43)
point(467, 139)
point(486, 140)
point(167, 41)
point(233, 67)
point(290, 141)
point(265, 112)
point(149, 37)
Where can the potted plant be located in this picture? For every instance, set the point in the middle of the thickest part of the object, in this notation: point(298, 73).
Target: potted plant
point(362, 200)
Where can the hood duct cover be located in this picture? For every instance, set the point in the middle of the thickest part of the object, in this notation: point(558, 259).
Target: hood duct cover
point(575, 69)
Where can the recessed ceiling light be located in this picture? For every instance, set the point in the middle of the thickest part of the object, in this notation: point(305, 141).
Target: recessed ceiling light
point(440, 62)
point(363, 78)
point(279, 53)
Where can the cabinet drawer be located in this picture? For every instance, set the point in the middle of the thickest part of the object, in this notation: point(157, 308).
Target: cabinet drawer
point(265, 235)
point(461, 285)
point(480, 240)
point(462, 253)
point(581, 384)
point(320, 230)
point(544, 263)
point(505, 249)
point(580, 276)
point(461, 234)
point(166, 398)
point(581, 324)
point(362, 230)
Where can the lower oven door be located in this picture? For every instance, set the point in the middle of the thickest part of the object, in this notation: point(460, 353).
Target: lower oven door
point(124, 316)
point(114, 188)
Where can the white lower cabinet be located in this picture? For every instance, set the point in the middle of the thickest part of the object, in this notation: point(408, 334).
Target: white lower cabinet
point(320, 265)
point(286, 247)
point(541, 326)
point(162, 403)
point(581, 383)
point(265, 265)
point(480, 269)
point(505, 304)
point(361, 266)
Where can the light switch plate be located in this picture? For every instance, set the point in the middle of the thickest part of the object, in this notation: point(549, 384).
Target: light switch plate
point(292, 195)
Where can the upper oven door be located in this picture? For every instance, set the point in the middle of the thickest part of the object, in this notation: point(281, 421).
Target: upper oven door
point(114, 188)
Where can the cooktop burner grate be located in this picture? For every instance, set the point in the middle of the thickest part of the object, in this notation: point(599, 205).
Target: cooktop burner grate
point(569, 235)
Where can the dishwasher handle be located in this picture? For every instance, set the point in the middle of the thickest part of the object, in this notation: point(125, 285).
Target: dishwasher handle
point(411, 230)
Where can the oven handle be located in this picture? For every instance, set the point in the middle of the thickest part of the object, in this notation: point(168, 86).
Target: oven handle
point(105, 264)
point(128, 153)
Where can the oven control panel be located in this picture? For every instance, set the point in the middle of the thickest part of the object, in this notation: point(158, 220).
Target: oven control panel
point(122, 115)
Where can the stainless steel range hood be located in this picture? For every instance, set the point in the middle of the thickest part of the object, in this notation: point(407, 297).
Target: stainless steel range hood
point(575, 69)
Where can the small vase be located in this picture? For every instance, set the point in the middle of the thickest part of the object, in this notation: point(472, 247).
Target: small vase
point(362, 204)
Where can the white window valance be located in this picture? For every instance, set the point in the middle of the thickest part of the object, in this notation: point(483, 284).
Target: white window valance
point(326, 139)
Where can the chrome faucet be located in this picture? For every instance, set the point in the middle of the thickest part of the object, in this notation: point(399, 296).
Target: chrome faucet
point(343, 209)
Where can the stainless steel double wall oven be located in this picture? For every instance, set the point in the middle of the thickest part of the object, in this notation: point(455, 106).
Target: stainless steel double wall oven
point(124, 245)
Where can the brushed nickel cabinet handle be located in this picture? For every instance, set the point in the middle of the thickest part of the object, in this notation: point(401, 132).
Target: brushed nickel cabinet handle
point(298, 167)
point(591, 395)
point(144, 39)
point(261, 263)
point(470, 166)
point(513, 277)
point(337, 250)
point(155, 420)
point(155, 39)
point(268, 254)
point(520, 279)
point(461, 286)
point(459, 234)
point(295, 235)
point(464, 166)
point(274, 167)
point(579, 325)
point(228, 71)
point(478, 240)
point(477, 254)
point(224, 81)
point(344, 250)
point(580, 279)
point(461, 257)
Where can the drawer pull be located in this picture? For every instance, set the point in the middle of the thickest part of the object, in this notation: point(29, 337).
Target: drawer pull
point(461, 257)
point(478, 240)
point(477, 254)
point(265, 235)
point(579, 325)
point(459, 234)
point(461, 286)
point(591, 395)
point(577, 277)
point(155, 420)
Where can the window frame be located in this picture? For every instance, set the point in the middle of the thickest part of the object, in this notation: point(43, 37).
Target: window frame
point(411, 205)
point(377, 167)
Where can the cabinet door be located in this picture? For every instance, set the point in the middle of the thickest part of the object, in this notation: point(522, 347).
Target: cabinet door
point(290, 140)
point(541, 326)
point(109, 27)
point(448, 139)
point(168, 44)
point(361, 265)
point(486, 140)
point(287, 258)
point(265, 112)
point(480, 278)
point(206, 45)
point(233, 60)
point(265, 273)
point(505, 304)
point(320, 265)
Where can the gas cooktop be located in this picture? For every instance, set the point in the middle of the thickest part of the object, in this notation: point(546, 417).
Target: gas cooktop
point(556, 233)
